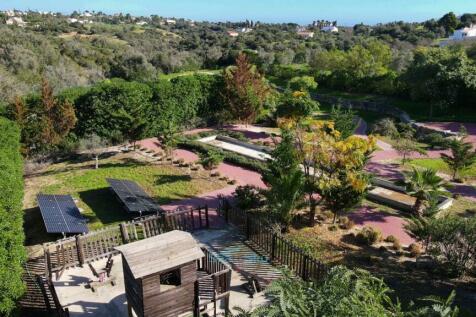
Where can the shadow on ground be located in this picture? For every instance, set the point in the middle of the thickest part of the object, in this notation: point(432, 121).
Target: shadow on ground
point(105, 205)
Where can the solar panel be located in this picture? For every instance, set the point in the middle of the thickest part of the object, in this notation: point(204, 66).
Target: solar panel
point(134, 198)
point(60, 214)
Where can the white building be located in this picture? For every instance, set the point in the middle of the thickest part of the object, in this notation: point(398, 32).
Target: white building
point(16, 21)
point(232, 33)
point(245, 30)
point(141, 23)
point(306, 34)
point(170, 21)
point(330, 29)
point(462, 34)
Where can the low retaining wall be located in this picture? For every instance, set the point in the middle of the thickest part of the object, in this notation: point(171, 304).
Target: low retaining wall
point(255, 147)
point(443, 201)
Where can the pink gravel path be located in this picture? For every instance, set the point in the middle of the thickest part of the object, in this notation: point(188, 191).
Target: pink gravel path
point(387, 224)
point(241, 175)
point(454, 127)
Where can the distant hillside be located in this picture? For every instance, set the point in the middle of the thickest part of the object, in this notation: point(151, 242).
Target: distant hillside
point(80, 49)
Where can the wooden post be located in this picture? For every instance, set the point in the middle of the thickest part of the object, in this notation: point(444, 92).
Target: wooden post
point(196, 301)
point(124, 233)
point(40, 282)
point(226, 208)
point(207, 221)
point(304, 267)
point(79, 249)
point(47, 254)
point(191, 218)
point(214, 295)
point(248, 229)
point(200, 216)
point(129, 310)
point(273, 246)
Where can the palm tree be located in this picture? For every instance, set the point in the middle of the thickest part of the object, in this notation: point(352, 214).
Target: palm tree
point(422, 184)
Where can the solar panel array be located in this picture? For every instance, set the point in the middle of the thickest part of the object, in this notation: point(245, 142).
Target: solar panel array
point(134, 198)
point(60, 214)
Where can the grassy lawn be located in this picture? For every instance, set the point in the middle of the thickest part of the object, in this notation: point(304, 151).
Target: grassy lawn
point(189, 73)
point(418, 111)
point(368, 116)
point(165, 183)
point(439, 165)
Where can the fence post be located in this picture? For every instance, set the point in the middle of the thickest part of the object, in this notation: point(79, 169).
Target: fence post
point(124, 233)
point(304, 267)
point(247, 224)
point(47, 262)
point(273, 246)
point(200, 216)
point(207, 221)
point(191, 218)
point(196, 301)
point(79, 249)
point(226, 207)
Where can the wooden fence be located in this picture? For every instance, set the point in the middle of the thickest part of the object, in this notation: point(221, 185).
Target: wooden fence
point(271, 244)
point(81, 249)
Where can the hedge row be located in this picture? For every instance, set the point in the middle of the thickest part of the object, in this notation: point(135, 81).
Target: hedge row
point(230, 157)
point(12, 252)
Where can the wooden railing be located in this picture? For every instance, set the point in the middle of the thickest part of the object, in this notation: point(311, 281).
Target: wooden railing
point(81, 249)
point(217, 269)
point(217, 282)
point(271, 244)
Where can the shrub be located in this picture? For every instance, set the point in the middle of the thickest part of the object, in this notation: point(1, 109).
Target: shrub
point(235, 135)
point(453, 242)
point(435, 140)
point(385, 127)
point(12, 253)
point(332, 228)
point(211, 159)
point(414, 249)
point(346, 223)
point(391, 239)
point(247, 197)
point(327, 214)
point(369, 236)
point(396, 245)
point(229, 157)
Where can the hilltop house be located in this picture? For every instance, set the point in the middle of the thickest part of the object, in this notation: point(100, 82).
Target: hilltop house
point(330, 29)
point(305, 34)
point(464, 33)
point(16, 21)
point(232, 33)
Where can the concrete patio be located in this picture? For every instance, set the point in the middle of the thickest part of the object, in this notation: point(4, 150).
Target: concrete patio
point(109, 300)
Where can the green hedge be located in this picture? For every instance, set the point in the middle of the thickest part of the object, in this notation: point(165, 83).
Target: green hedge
point(230, 157)
point(12, 252)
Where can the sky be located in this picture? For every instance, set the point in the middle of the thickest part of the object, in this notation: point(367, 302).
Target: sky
point(346, 12)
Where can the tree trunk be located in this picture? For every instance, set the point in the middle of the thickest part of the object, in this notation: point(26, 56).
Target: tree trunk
point(454, 175)
point(418, 207)
point(96, 159)
point(335, 217)
point(312, 211)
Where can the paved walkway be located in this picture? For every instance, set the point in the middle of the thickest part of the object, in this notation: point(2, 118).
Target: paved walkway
point(241, 175)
